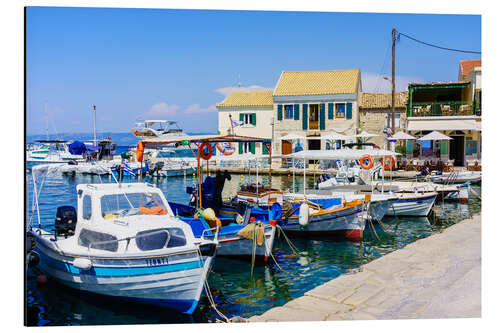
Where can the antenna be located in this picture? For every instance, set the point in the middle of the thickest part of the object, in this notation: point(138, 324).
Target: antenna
point(239, 81)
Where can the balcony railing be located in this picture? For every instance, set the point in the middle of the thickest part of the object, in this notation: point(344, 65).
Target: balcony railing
point(313, 124)
point(443, 109)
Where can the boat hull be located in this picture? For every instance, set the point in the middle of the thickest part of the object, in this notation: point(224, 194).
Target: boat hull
point(412, 206)
point(169, 281)
point(234, 246)
point(345, 223)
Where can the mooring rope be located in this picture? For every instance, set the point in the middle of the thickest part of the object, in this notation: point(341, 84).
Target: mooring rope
point(292, 247)
point(207, 289)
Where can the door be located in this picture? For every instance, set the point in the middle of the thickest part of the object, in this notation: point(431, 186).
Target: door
point(314, 144)
point(286, 148)
point(457, 150)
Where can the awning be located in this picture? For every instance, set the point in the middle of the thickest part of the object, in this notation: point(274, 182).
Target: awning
point(444, 125)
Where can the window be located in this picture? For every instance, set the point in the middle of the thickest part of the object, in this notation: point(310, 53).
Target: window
point(340, 110)
point(128, 204)
point(397, 118)
point(313, 116)
point(87, 207)
point(98, 240)
point(288, 111)
point(159, 238)
point(248, 118)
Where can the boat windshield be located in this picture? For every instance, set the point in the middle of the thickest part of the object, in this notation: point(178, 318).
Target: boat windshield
point(128, 204)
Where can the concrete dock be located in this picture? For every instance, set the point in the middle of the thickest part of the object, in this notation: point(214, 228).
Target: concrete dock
point(435, 277)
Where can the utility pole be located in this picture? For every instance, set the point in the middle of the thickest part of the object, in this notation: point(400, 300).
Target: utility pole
point(393, 77)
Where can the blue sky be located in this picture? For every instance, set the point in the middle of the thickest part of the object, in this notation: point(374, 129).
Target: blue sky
point(177, 64)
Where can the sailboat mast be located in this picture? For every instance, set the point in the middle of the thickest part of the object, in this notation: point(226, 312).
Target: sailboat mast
point(95, 138)
point(46, 121)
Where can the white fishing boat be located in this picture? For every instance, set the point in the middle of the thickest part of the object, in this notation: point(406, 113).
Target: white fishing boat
point(124, 241)
point(456, 177)
point(51, 151)
point(413, 204)
point(379, 202)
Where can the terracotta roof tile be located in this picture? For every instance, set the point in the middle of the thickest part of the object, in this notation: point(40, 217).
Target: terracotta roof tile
point(292, 83)
point(248, 98)
point(383, 100)
point(466, 66)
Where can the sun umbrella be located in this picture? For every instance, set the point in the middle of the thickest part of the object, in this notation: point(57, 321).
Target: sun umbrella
point(401, 136)
point(334, 136)
point(435, 135)
point(292, 136)
point(365, 134)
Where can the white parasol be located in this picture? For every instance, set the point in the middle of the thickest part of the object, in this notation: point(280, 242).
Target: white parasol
point(401, 136)
point(435, 135)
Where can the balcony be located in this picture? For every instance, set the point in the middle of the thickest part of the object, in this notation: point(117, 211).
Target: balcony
point(443, 109)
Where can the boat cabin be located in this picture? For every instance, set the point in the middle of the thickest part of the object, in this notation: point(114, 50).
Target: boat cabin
point(123, 217)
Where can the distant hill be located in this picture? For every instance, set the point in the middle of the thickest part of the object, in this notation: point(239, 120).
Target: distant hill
point(121, 139)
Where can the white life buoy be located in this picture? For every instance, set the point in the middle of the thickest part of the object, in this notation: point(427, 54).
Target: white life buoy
point(82, 263)
point(304, 214)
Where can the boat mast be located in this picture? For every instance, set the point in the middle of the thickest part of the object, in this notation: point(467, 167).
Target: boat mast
point(95, 139)
point(46, 121)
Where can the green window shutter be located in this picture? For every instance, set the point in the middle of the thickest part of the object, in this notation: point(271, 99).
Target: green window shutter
point(253, 118)
point(242, 116)
point(265, 150)
point(280, 112)
point(252, 147)
point(322, 116)
point(409, 147)
point(240, 147)
point(444, 147)
point(349, 111)
point(296, 113)
point(330, 110)
point(304, 116)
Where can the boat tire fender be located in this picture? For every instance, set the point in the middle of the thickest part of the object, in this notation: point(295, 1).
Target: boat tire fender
point(304, 214)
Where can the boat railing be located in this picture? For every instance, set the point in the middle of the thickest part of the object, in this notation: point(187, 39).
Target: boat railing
point(205, 233)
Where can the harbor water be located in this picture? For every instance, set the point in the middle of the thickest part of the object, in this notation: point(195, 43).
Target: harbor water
point(236, 291)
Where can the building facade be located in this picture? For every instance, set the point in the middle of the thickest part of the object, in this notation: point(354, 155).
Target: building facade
point(315, 103)
point(375, 115)
point(445, 107)
point(254, 108)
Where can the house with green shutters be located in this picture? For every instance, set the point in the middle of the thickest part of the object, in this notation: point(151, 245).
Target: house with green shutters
point(254, 109)
point(313, 104)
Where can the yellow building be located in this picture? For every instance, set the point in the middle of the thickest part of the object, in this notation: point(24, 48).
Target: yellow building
point(313, 104)
point(254, 108)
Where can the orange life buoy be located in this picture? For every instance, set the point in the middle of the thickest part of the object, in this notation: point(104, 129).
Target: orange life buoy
point(370, 162)
point(201, 150)
point(388, 166)
point(139, 151)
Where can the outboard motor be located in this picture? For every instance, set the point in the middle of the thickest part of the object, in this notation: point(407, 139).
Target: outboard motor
point(65, 220)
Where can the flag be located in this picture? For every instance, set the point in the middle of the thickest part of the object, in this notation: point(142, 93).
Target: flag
point(127, 169)
point(236, 123)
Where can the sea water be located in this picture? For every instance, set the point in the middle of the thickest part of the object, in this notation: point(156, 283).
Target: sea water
point(236, 291)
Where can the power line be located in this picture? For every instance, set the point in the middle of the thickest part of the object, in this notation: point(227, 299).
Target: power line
point(436, 46)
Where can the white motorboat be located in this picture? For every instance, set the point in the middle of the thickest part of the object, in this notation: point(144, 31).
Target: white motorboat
point(156, 128)
point(124, 241)
point(51, 151)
